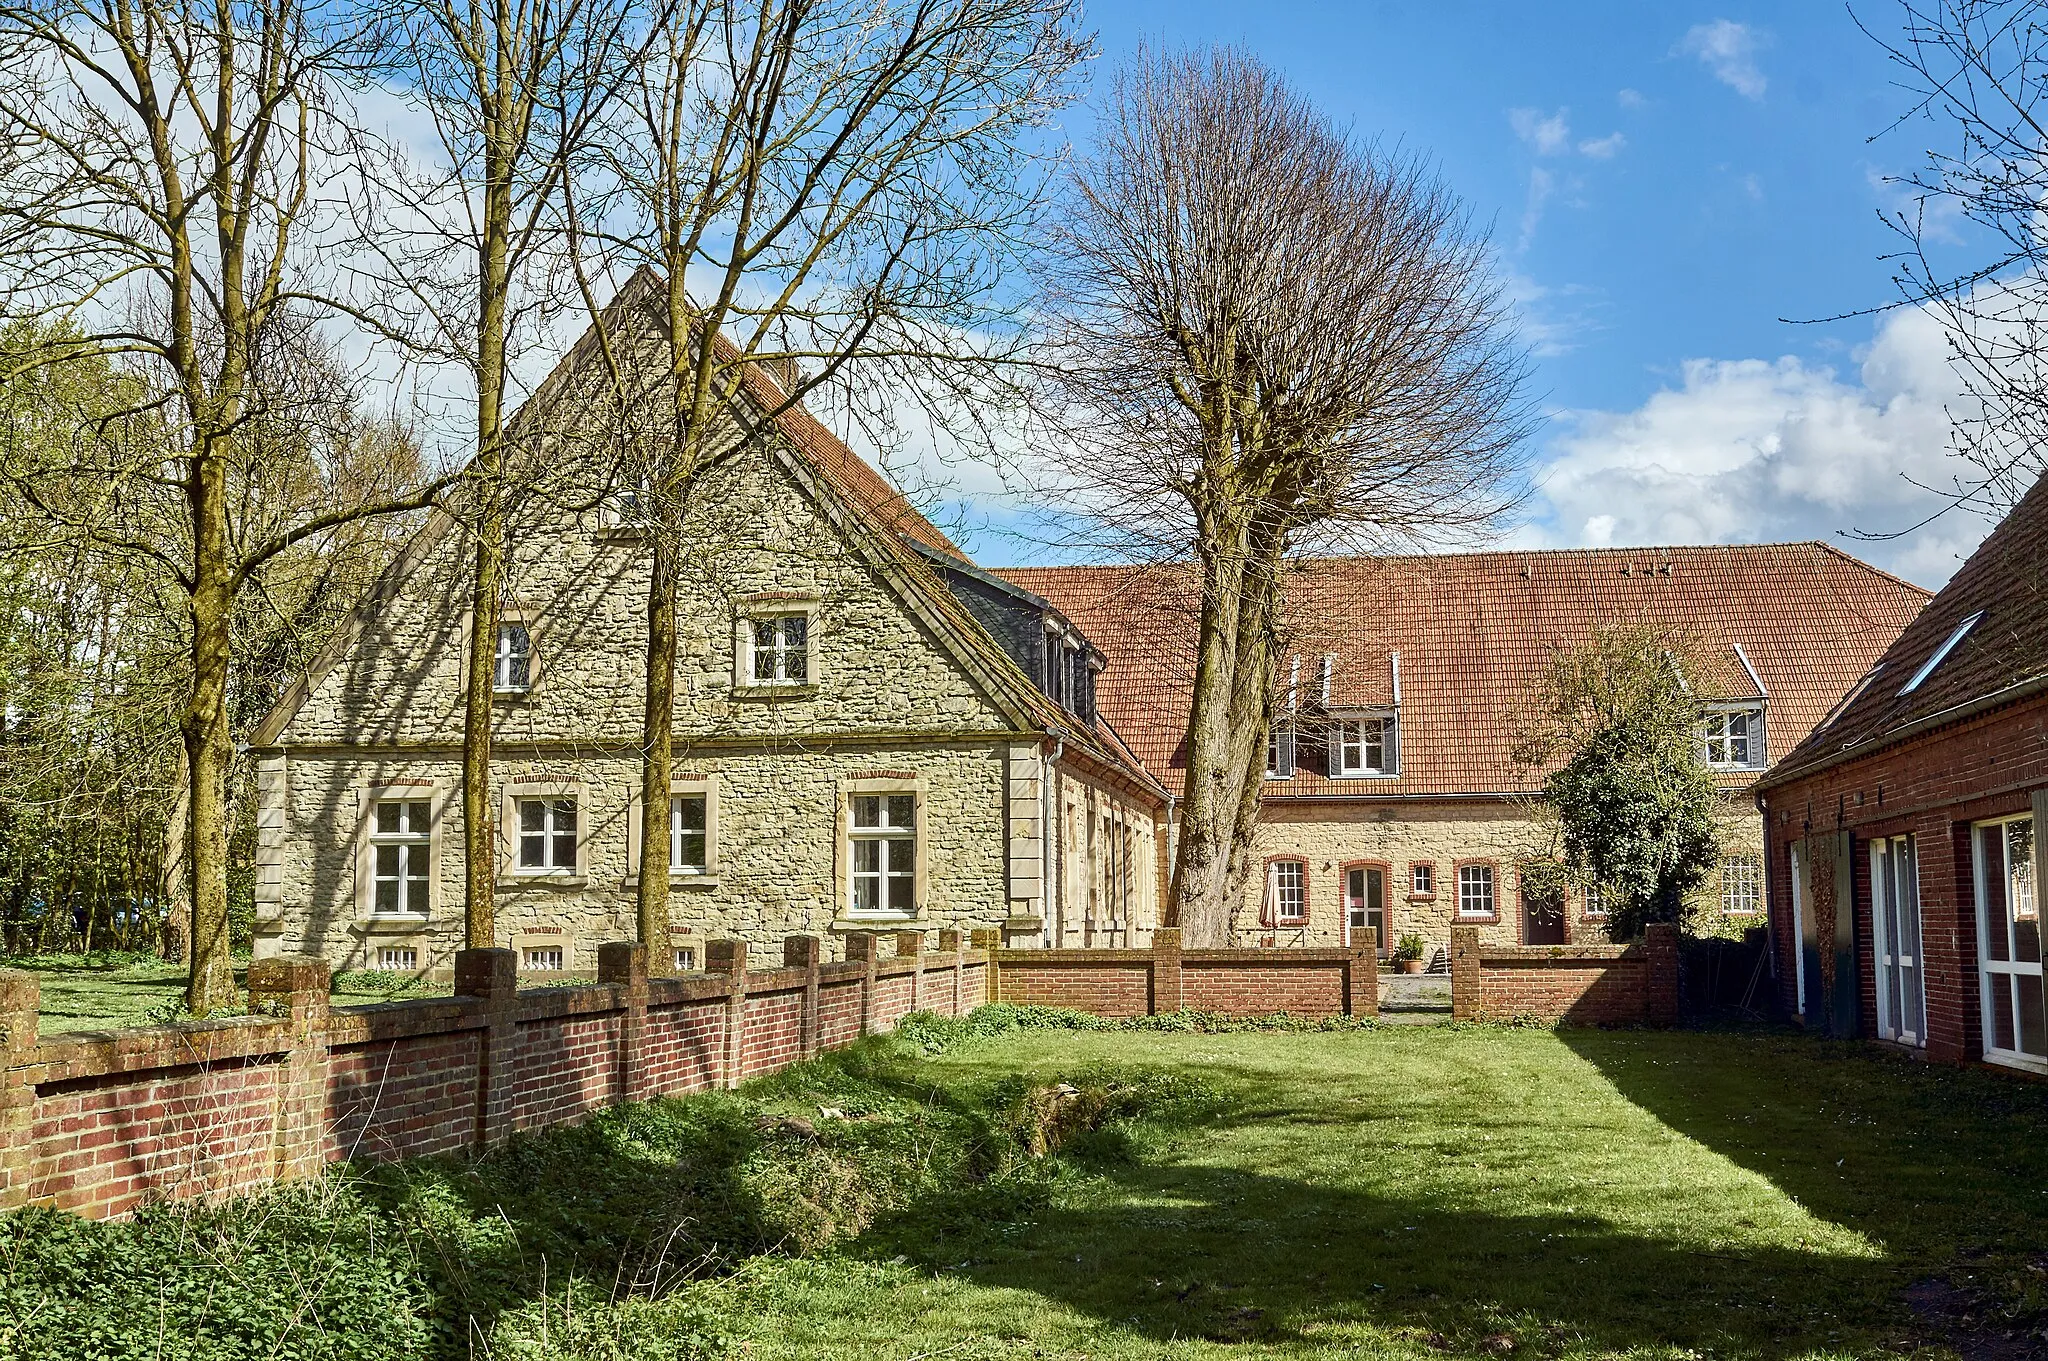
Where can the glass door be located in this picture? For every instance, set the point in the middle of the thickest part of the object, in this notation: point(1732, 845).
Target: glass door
point(1365, 902)
point(1895, 913)
point(2009, 936)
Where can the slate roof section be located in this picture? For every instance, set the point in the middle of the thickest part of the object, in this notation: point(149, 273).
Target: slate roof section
point(2004, 656)
point(1474, 633)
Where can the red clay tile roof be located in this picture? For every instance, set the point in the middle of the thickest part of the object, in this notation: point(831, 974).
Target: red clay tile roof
point(2003, 656)
point(1474, 633)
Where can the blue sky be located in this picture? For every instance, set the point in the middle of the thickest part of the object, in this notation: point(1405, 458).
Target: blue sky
point(1665, 182)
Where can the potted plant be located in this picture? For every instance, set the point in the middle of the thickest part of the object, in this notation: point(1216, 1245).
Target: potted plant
point(1408, 954)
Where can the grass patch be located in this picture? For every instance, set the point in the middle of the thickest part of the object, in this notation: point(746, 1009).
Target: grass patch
point(1007, 1186)
point(115, 991)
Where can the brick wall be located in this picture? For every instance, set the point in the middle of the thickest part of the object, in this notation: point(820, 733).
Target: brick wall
point(1322, 982)
point(97, 1124)
point(1932, 787)
point(1567, 984)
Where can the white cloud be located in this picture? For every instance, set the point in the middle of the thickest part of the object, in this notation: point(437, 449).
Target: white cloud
point(1630, 99)
point(1540, 185)
point(1547, 134)
point(1603, 148)
point(1727, 49)
point(1754, 450)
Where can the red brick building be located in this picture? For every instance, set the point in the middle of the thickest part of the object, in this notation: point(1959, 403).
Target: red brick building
point(1905, 833)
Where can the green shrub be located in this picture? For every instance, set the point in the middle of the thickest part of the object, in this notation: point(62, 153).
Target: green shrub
point(295, 1273)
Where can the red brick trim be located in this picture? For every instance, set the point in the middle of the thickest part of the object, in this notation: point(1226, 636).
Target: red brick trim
point(1273, 919)
point(1385, 867)
point(1459, 917)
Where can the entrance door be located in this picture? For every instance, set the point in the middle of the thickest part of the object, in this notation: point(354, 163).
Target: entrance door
point(1365, 900)
point(1895, 912)
point(2009, 931)
point(1542, 911)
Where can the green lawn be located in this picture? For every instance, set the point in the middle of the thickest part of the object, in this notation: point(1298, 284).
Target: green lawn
point(1475, 1191)
point(1397, 1192)
point(109, 992)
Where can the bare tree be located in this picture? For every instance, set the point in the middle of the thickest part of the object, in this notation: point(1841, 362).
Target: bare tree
point(1977, 71)
point(160, 195)
point(1264, 339)
point(830, 192)
point(466, 240)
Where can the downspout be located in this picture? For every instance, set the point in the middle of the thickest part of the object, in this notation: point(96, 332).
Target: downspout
point(1053, 907)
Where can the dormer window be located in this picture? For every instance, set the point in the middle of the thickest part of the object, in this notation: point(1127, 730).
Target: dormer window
point(1732, 737)
point(1364, 746)
point(1280, 752)
point(514, 671)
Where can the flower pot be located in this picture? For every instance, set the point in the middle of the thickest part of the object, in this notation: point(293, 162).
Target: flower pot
point(1412, 965)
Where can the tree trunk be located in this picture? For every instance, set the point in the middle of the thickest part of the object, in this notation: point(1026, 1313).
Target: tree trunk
point(1253, 701)
point(210, 984)
point(175, 879)
point(1197, 894)
point(658, 758)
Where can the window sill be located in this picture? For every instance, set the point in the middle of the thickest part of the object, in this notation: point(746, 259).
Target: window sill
point(378, 923)
point(511, 696)
point(709, 880)
point(562, 880)
point(866, 921)
point(1422, 897)
point(808, 690)
point(1367, 775)
point(1475, 919)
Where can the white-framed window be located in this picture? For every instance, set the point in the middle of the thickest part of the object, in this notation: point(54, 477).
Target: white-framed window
point(1596, 902)
point(1475, 891)
point(398, 959)
point(1742, 886)
point(547, 835)
point(1422, 880)
point(2009, 944)
point(1895, 912)
point(1363, 746)
point(781, 650)
point(686, 958)
point(689, 837)
point(513, 673)
point(1280, 751)
point(1287, 891)
point(542, 959)
point(1733, 738)
point(882, 832)
point(401, 857)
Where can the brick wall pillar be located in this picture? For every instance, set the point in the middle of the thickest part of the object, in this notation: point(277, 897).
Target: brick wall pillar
point(294, 988)
point(860, 949)
point(623, 964)
point(729, 957)
point(1167, 992)
point(1362, 983)
point(1660, 986)
point(1464, 973)
point(20, 1000)
point(492, 977)
point(805, 952)
point(910, 945)
point(990, 940)
point(949, 944)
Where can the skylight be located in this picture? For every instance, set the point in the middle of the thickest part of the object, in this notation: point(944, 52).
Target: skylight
point(1927, 667)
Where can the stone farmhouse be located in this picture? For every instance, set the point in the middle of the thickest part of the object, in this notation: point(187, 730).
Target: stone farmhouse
point(1908, 835)
point(1393, 802)
point(871, 733)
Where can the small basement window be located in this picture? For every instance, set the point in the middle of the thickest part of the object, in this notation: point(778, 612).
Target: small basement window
point(686, 959)
point(541, 959)
point(398, 959)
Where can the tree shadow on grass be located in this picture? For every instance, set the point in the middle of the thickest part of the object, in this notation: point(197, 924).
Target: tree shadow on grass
point(1198, 1252)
